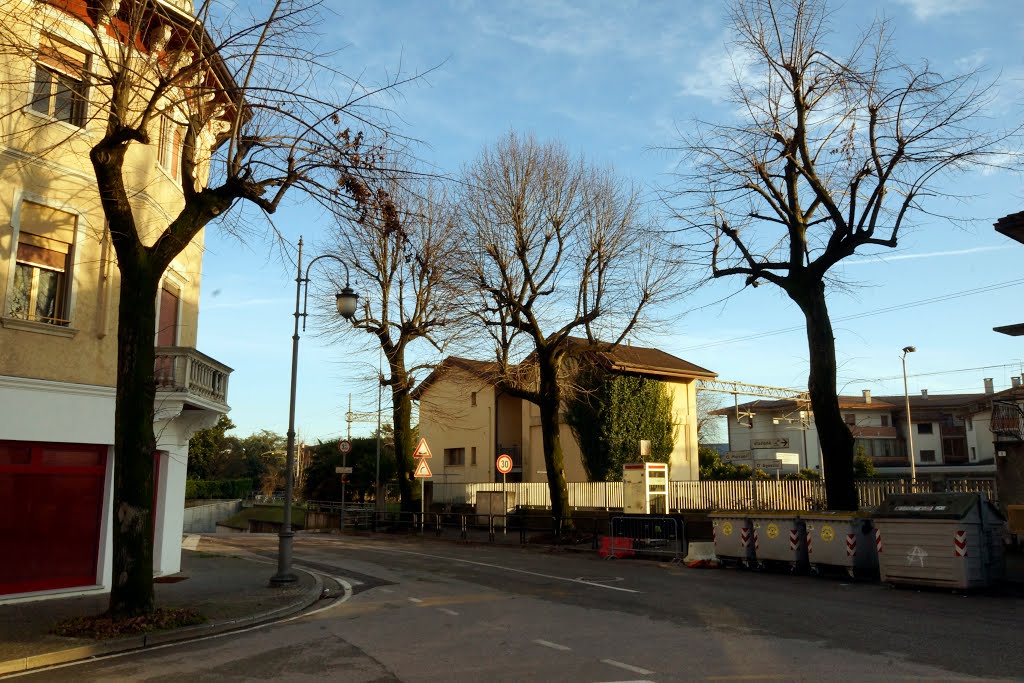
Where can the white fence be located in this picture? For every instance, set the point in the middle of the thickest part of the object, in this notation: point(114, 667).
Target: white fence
point(712, 495)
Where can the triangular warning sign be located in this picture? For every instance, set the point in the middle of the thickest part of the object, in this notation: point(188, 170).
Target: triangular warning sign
point(422, 470)
point(422, 450)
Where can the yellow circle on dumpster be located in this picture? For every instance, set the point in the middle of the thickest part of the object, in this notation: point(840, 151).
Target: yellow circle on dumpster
point(827, 533)
point(727, 528)
point(773, 530)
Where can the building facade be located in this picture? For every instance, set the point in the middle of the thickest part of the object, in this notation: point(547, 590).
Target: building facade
point(468, 422)
point(59, 288)
point(951, 434)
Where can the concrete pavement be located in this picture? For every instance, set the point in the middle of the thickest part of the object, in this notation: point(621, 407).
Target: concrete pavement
point(229, 587)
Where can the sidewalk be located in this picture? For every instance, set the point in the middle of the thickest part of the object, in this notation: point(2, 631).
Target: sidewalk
point(227, 587)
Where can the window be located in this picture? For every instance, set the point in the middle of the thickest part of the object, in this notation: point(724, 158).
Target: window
point(928, 456)
point(168, 151)
point(924, 428)
point(885, 420)
point(167, 330)
point(851, 419)
point(42, 262)
point(454, 456)
point(472, 457)
point(59, 89)
point(472, 399)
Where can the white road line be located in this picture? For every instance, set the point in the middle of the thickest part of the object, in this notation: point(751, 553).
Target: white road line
point(628, 667)
point(385, 590)
point(415, 600)
point(449, 612)
point(553, 646)
point(493, 566)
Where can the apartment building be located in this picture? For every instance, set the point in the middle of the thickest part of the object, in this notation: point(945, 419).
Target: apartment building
point(59, 292)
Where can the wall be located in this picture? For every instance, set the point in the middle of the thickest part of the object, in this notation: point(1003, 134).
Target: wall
point(449, 420)
point(202, 519)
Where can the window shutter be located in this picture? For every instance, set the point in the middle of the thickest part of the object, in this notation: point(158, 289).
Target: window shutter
point(62, 57)
point(51, 224)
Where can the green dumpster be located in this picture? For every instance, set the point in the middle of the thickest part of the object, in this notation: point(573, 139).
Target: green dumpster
point(950, 540)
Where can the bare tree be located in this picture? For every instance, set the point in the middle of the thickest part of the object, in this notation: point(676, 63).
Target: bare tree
point(554, 248)
point(242, 94)
point(708, 427)
point(830, 153)
point(402, 247)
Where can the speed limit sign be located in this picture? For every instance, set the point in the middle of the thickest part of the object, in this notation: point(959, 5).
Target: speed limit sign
point(344, 446)
point(504, 463)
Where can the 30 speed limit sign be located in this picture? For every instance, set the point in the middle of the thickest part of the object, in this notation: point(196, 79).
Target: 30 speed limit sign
point(504, 463)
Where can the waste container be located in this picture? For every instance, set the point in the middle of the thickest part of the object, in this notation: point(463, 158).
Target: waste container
point(841, 539)
point(780, 537)
point(950, 540)
point(734, 537)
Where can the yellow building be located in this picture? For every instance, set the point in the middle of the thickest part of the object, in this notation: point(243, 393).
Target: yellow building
point(467, 421)
point(59, 287)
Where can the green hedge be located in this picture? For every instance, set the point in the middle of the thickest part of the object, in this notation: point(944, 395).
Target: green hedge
point(200, 489)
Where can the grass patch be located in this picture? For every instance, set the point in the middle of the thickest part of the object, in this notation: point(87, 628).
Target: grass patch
point(265, 513)
point(104, 626)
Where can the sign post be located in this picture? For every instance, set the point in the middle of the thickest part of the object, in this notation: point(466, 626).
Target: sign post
point(343, 447)
point(504, 465)
point(422, 472)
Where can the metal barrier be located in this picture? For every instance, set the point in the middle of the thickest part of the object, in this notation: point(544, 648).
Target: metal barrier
point(647, 535)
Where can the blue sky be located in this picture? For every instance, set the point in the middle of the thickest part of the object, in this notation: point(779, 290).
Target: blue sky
point(615, 81)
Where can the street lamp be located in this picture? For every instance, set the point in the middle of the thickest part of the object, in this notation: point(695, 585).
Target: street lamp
point(910, 427)
point(346, 301)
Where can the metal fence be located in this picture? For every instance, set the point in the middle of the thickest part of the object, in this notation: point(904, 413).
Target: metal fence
point(800, 494)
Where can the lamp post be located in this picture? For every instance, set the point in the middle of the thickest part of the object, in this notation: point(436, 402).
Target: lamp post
point(346, 302)
point(910, 427)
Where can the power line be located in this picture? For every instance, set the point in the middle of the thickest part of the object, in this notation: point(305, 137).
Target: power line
point(865, 314)
point(893, 378)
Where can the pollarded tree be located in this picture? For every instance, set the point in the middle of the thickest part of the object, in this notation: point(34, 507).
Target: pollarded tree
point(831, 153)
point(402, 247)
point(243, 112)
point(554, 248)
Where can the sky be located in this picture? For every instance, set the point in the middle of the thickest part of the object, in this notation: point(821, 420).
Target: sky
point(617, 82)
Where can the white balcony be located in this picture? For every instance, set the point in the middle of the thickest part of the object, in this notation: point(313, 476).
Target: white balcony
point(198, 380)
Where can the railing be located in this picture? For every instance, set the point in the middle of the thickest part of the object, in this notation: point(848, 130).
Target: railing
point(185, 370)
point(712, 495)
point(1007, 421)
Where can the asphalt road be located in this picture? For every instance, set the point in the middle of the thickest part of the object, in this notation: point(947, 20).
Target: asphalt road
point(434, 611)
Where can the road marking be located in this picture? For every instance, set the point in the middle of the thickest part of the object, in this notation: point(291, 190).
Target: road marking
point(416, 600)
point(628, 667)
point(449, 612)
point(752, 677)
point(553, 646)
point(493, 566)
point(385, 590)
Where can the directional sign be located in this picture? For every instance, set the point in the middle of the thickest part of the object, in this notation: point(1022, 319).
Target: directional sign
point(344, 446)
point(422, 450)
point(504, 463)
point(343, 470)
point(778, 442)
point(733, 456)
point(422, 470)
point(768, 465)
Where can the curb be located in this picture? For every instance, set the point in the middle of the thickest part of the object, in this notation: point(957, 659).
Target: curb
point(74, 654)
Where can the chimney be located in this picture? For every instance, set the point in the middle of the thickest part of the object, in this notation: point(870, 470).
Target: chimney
point(867, 396)
point(989, 389)
point(924, 392)
point(1015, 382)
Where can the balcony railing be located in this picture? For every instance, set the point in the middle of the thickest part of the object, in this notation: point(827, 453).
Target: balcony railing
point(184, 370)
point(1007, 421)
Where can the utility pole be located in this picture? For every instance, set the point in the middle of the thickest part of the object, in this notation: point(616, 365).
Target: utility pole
point(380, 387)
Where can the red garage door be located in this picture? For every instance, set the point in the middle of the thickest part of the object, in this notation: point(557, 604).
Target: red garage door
point(51, 504)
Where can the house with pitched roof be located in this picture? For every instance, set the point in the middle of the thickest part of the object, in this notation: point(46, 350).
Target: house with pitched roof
point(468, 421)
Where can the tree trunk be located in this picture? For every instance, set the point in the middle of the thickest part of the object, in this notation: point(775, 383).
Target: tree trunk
point(131, 592)
point(401, 414)
point(551, 396)
point(833, 433)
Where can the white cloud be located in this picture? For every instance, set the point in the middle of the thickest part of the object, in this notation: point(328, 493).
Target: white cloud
point(928, 254)
point(925, 10)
